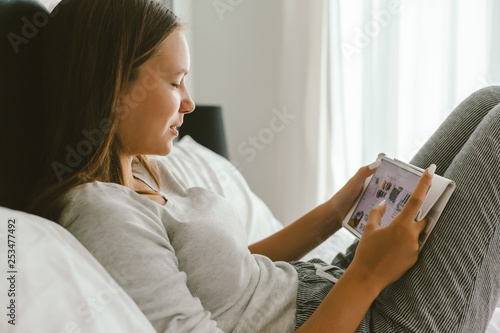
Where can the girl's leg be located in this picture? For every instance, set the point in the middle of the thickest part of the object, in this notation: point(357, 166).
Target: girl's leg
point(445, 144)
point(455, 285)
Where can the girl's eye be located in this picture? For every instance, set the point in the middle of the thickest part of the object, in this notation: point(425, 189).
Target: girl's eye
point(176, 85)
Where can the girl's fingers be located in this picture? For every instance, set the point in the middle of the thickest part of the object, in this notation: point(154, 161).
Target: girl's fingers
point(417, 197)
point(375, 216)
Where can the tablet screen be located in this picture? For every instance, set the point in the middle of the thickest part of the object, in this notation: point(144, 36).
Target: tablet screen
point(390, 183)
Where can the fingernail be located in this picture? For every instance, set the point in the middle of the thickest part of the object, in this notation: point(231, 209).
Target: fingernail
point(374, 165)
point(381, 204)
point(431, 169)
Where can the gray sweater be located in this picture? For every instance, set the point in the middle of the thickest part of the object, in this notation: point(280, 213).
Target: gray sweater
point(185, 264)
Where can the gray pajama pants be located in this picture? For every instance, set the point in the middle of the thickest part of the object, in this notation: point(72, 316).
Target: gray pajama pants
point(455, 284)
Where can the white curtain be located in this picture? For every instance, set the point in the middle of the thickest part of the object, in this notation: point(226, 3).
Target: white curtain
point(358, 78)
point(305, 87)
point(389, 72)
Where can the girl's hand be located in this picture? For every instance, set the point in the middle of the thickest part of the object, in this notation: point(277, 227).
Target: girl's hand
point(384, 254)
point(342, 201)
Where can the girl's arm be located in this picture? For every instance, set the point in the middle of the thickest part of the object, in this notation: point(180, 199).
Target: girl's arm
point(312, 229)
point(299, 238)
point(382, 257)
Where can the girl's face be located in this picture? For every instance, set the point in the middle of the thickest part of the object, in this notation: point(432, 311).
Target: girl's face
point(155, 103)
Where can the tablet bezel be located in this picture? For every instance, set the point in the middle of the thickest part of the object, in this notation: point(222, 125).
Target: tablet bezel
point(410, 168)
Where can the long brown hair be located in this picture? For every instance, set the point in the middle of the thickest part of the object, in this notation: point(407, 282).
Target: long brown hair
point(92, 50)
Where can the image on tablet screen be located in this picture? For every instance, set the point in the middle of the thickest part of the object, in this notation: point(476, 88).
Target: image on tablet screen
point(390, 183)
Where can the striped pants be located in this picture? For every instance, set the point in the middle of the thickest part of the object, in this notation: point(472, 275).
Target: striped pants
point(455, 284)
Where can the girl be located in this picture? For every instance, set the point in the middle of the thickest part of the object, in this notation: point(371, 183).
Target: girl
point(115, 92)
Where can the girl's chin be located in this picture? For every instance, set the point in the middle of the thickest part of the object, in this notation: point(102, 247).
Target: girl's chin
point(162, 149)
point(167, 148)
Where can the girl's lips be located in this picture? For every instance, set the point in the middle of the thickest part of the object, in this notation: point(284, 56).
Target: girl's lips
point(174, 128)
point(176, 133)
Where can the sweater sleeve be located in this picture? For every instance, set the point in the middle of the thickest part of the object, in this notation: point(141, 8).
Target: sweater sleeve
point(133, 246)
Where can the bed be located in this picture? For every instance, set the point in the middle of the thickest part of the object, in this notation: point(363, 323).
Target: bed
point(62, 288)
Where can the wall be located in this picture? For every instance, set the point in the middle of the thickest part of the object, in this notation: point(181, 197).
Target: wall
point(236, 62)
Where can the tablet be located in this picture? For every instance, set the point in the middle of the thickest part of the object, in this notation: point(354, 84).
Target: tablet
point(394, 181)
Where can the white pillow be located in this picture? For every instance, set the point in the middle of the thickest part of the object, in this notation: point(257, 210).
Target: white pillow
point(58, 285)
point(197, 165)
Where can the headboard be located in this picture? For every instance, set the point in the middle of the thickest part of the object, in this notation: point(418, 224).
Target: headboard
point(206, 126)
point(21, 113)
